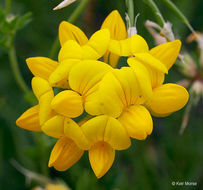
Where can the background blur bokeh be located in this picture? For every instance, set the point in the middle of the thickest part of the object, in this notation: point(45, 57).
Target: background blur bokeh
point(152, 164)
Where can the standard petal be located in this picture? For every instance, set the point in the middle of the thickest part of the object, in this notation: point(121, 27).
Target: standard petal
point(137, 121)
point(142, 76)
point(54, 127)
point(101, 157)
point(167, 52)
point(68, 103)
point(64, 154)
point(167, 99)
point(62, 71)
point(70, 50)
point(107, 129)
point(74, 132)
point(117, 90)
point(129, 46)
point(68, 31)
point(149, 61)
point(86, 74)
point(97, 45)
point(117, 29)
point(41, 66)
point(29, 120)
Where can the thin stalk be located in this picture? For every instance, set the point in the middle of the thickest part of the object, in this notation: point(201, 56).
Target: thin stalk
point(73, 17)
point(16, 71)
point(178, 14)
point(131, 14)
point(8, 6)
point(156, 11)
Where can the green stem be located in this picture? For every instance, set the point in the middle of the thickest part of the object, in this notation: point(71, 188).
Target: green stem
point(131, 14)
point(156, 11)
point(8, 6)
point(16, 71)
point(73, 17)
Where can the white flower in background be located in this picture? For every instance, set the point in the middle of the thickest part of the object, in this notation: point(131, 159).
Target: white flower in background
point(64, 4)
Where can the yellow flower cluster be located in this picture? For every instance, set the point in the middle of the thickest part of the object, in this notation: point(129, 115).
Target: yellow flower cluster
point(100, 107)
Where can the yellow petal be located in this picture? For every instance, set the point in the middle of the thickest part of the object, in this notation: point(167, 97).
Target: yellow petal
point(29, 120)
point(86, 74)
point(117, 29)
point(70, 50)
point(142, 76)
point(68, 103)
point(137, 121)
point(41, 66)
point(149, 61)
point(62, 71)
point(40, 86)
point(129, 46)
point(116, 26)
point(167, 53)
point(117, 90)
point(107, 129)
point(167, 99)
point(157, 78)
point(101, 157)
point(111, 58)
point(54, 127)
point(68, 31)
point(64, 154)
point(74, 132)
point(45, 111)
point(97, 45)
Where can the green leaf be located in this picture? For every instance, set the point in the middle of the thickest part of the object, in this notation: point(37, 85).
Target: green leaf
point(24, 20)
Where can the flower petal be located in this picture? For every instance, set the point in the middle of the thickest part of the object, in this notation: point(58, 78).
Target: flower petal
point(97, 45)
point(167, 99)
point(40, 86)
point(64, 154)
point(70, 50)
point(142, 76)
point(62, 71)
point(101, 157)
point(117, 29)
point(54, 127)
point(129, 46)
point(149, 61)
point(86, 74)
point(68, 103)
point(41, 66)
point(45, 112)
point(137, 121)
point(107, 129)
point(29, 120)
point(74, 132)
point(68, 31)
point(117, 90)
point(167, 52)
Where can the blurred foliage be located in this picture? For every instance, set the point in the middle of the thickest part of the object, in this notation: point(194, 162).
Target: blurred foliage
point(164, 157)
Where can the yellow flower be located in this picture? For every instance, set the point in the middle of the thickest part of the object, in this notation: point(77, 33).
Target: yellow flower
point(115, 101)
point(37, 115)
point(103, 133)
point(72, 52)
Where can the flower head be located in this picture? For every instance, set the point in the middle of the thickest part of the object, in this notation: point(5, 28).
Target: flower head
point(99, 108)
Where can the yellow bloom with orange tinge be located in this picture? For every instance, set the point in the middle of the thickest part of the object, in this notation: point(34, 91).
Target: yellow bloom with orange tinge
point(99, 107)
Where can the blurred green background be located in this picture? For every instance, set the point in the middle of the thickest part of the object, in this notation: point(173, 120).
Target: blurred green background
point(152, 164)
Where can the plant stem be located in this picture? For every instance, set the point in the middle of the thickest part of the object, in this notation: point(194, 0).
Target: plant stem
point(14, 66)
point(156, 11)
point(131, 14)
point(73, 17)
point(8, 6)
